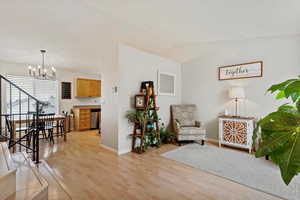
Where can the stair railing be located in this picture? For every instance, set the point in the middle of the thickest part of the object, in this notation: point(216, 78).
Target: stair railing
point(12, 119)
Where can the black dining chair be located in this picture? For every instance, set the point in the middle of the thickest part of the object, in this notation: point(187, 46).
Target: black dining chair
point(24, 131)
point(60, 128)
point(46, 125)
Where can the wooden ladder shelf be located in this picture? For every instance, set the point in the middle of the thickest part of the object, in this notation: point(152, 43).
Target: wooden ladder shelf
point(150, 124)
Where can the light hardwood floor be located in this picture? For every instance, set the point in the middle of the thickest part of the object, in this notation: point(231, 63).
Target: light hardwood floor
point(87, 171)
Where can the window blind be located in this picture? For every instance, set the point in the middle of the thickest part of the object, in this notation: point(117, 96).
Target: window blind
point(44, 90)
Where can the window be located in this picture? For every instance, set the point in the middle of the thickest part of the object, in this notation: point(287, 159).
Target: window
point(66, 90)
point(44, 90)
point(166, 83)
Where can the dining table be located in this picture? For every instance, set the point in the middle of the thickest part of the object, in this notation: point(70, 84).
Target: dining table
point(19, 121)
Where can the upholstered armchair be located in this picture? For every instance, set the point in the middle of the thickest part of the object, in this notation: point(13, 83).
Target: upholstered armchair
point(185, 125)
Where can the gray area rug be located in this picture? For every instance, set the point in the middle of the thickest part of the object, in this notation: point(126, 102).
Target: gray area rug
point(239, 167)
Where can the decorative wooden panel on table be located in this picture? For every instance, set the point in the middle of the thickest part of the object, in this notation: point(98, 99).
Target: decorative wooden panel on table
point(236, 131)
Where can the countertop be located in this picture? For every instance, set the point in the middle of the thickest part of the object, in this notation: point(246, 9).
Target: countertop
point(86, 106)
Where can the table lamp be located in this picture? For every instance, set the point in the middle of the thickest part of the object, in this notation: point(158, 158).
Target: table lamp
point(236, 93)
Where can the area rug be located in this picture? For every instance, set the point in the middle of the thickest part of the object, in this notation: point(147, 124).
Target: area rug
point(237, 166)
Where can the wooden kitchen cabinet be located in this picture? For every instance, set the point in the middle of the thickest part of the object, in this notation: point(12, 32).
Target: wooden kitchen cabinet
point(95, 88)
point(88, 88)
point(82, 119)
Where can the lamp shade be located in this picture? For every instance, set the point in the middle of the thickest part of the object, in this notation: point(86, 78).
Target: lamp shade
point(237, 93)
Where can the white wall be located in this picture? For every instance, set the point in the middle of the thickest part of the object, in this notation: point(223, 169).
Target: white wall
point(200, 85)
point(62, 75)
point(136, 66)
point(109, 108)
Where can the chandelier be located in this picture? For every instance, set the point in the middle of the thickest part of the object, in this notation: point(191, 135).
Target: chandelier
point(41, 72)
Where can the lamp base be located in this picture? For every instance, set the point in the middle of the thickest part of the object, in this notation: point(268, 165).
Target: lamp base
point(236, 106)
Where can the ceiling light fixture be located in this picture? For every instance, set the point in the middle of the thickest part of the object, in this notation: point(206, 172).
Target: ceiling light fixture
point(41, 72)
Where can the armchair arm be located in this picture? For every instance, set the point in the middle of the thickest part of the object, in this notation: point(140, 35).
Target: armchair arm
point(176, 125)
point(198, 123)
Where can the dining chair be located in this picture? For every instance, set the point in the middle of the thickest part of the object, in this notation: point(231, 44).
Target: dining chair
point(60, 128)
point(24, 130)
point(46, 124)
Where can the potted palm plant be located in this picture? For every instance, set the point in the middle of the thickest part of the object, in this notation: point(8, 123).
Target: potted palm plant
point(279, 132)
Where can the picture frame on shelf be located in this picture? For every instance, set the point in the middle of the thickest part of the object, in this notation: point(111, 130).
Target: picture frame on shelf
point(139, 101)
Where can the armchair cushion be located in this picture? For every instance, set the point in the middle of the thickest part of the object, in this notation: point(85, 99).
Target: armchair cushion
point(192, 131)
point(190, 137)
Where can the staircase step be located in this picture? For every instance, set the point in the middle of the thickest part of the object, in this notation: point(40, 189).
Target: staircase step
point(27, 177)
point(57, 189)
point(30, 194)
point(7, 184)
point(7, 156)
point(3, 164)
point(30, 185)
point(30, 181)
point(19, 179)
point(7, 173)
point(36, 182)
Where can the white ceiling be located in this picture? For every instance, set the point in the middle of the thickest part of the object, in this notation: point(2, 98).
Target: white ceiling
point(77, 33)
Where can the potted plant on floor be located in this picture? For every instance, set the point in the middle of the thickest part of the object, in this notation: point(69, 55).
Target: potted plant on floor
point(166, 137)
point(278, 134)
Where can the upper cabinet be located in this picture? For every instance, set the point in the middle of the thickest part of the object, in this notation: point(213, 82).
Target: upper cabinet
point(88, 88)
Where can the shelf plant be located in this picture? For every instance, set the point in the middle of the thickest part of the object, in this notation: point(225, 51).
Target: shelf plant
point(145, 118)
point(136, 116)
point(278, 134)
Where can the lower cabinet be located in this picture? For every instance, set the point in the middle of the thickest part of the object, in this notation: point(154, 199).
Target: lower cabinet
point(82, 119)
point(236, 131)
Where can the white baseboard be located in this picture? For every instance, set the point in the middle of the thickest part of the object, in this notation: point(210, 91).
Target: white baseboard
point(123, 151)
point(108, 148)
point(212, 140)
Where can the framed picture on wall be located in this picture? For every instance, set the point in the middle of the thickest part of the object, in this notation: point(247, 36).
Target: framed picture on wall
point(166, 83)
point(240, 71)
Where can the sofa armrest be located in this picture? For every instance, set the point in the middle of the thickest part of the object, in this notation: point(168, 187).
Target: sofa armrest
point(198, 123)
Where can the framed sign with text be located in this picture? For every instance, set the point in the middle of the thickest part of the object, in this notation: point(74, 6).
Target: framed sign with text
point(240, 71)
